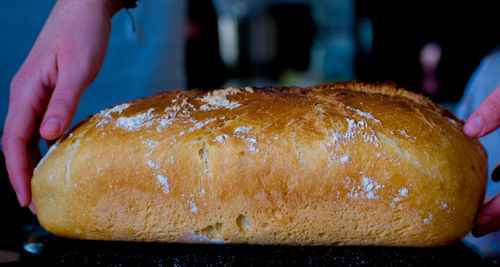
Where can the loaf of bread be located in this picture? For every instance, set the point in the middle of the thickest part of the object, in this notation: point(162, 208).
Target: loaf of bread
point(339, 164)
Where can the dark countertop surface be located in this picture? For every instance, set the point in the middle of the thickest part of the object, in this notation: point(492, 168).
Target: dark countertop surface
point(46, 249)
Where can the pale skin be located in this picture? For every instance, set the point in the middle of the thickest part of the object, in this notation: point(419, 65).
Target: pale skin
point(66, 58)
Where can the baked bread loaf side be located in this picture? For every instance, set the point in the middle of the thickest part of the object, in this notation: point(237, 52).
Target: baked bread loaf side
point(345, 163)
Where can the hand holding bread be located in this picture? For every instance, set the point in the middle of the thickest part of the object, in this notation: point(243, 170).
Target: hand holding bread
point(483, 121)
point(45, 92)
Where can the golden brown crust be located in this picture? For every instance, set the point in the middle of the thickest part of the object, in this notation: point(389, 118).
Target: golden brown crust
point(339, 164)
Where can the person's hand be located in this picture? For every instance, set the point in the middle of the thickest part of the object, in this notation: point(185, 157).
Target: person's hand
point(45, 91)
point(484, 120)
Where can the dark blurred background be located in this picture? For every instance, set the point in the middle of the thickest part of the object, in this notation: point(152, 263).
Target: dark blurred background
point(428, 47)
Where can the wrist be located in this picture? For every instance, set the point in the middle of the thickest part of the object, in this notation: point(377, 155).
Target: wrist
point(107, 7)
point(113, 6)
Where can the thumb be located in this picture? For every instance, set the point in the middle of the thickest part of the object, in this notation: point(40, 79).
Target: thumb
point(486, 118)
point(62, 105)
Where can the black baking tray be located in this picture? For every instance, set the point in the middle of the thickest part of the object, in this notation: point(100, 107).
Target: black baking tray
point(58, 251)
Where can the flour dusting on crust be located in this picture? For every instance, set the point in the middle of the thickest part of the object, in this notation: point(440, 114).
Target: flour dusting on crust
point(364, 114)
point(218, 99)
point(367, 190)
point(136, 122)
point(117, 108)
point(403, 192)
point(163, 182)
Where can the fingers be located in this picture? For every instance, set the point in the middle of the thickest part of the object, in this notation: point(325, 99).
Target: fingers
point(20, 140)
point(488, 219)
point(18, 132)
point(17, 167)
point(486, 118)
point(63, 103)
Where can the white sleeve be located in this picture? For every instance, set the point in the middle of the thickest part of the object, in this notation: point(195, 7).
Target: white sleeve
point(482, 83)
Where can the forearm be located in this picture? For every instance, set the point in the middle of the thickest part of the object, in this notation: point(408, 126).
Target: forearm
point(108, 7)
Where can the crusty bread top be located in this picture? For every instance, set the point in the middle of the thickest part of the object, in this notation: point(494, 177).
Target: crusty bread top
point(335, 92)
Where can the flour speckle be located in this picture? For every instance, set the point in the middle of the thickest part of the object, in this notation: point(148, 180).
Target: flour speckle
point(251, 141)
point(136, 122)
point(193, 206)
point(205, 107)
point(428, 219)
point(201, 124)
point(252, 148)
point(364, 114)
point(117, 108)
point(403, 132)
point(370, 187)
point(355, 128)
point(221, 138)
point(173, 113)
point(102, 122)
point(165, 121)
point(367, 190)
point(163, 181)
point(52, 176)
point(242, 129)
point(218, 99)
point(344, 159)
point(151, 143)
point(403, 192)
point(153, 165)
